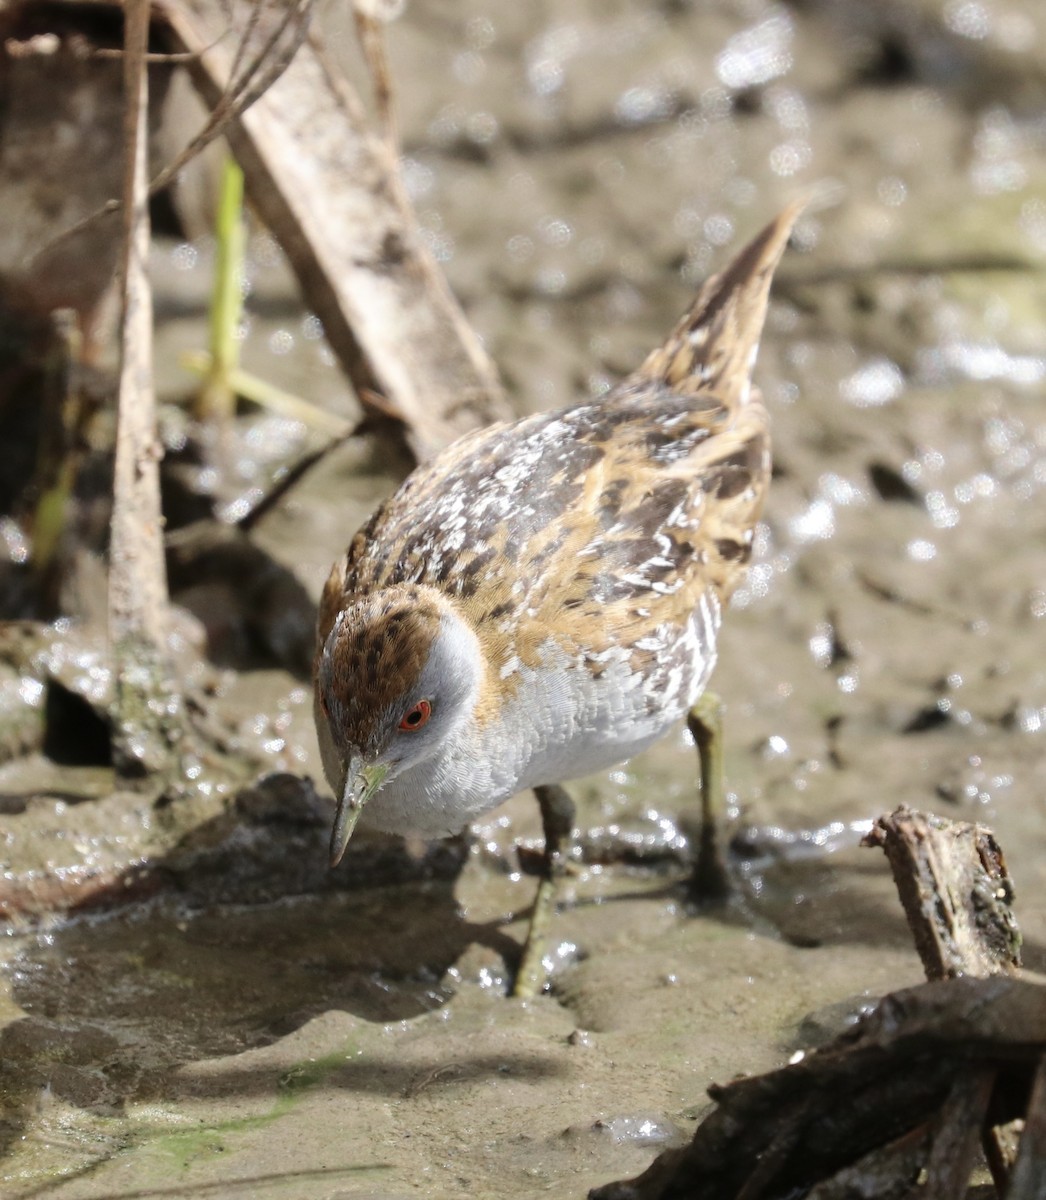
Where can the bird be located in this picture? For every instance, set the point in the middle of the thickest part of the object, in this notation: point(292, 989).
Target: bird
point(542, 599)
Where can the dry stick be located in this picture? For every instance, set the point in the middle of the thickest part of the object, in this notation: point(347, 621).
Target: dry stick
point(172, 59)
point(147, 714)
point(376, 405)
point(137, 580)
point(267, 65)
point(372, 43)
point(280, 489)
point(245, 40)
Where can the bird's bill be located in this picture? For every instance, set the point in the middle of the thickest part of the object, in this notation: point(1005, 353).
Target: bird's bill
point(361, 782)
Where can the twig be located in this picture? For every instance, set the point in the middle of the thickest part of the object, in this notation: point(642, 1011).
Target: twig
point(245, 40)
point(267, 395)
point(147, 714)
point(283, 485)
point(956, 892)
point(1000, 1145)
point(369, 30)
point(138, 584)
point(174, 58)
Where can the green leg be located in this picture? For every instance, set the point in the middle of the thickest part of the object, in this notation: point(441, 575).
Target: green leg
point(557, 818)
point(710, 881)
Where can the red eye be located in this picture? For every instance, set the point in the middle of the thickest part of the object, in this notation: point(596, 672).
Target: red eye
point(416, 717)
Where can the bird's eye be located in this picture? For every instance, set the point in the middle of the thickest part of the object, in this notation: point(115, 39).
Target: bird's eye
point(415, 717)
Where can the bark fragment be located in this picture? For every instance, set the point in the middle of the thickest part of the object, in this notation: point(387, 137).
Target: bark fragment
point(899, 1105)
point(955, 890)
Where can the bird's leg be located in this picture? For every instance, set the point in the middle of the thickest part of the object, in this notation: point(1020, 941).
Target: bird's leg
point(557, 819)
point(709, 881)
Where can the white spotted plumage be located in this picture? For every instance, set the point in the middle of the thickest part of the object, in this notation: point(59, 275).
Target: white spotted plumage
point(570, 567)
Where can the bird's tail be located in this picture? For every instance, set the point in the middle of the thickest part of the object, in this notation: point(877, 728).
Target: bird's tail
point(714, 346)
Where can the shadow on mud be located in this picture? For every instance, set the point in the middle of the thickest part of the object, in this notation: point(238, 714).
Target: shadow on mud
point(248, 937)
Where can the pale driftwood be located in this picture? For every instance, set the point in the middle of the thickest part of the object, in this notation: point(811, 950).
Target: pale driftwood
point(137, 577)
point(330, 191)
point(145, 710)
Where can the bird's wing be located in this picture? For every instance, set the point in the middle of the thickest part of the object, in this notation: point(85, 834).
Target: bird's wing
point(594, 523)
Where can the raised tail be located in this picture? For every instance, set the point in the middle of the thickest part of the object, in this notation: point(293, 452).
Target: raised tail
point(713, 347)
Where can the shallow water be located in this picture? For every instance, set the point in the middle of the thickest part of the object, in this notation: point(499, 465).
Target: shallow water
point(577, 169)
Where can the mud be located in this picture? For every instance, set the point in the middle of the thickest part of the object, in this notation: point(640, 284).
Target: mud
point(249, 1024)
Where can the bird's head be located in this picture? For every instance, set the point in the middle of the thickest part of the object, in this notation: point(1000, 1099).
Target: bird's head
point(398, 672)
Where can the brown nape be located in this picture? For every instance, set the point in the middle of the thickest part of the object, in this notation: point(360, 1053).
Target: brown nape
point(380, 647)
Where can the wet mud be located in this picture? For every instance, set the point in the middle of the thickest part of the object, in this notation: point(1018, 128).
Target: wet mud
point(246, 1023)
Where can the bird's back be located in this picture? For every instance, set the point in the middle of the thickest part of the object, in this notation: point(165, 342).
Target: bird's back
point(599, 524)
